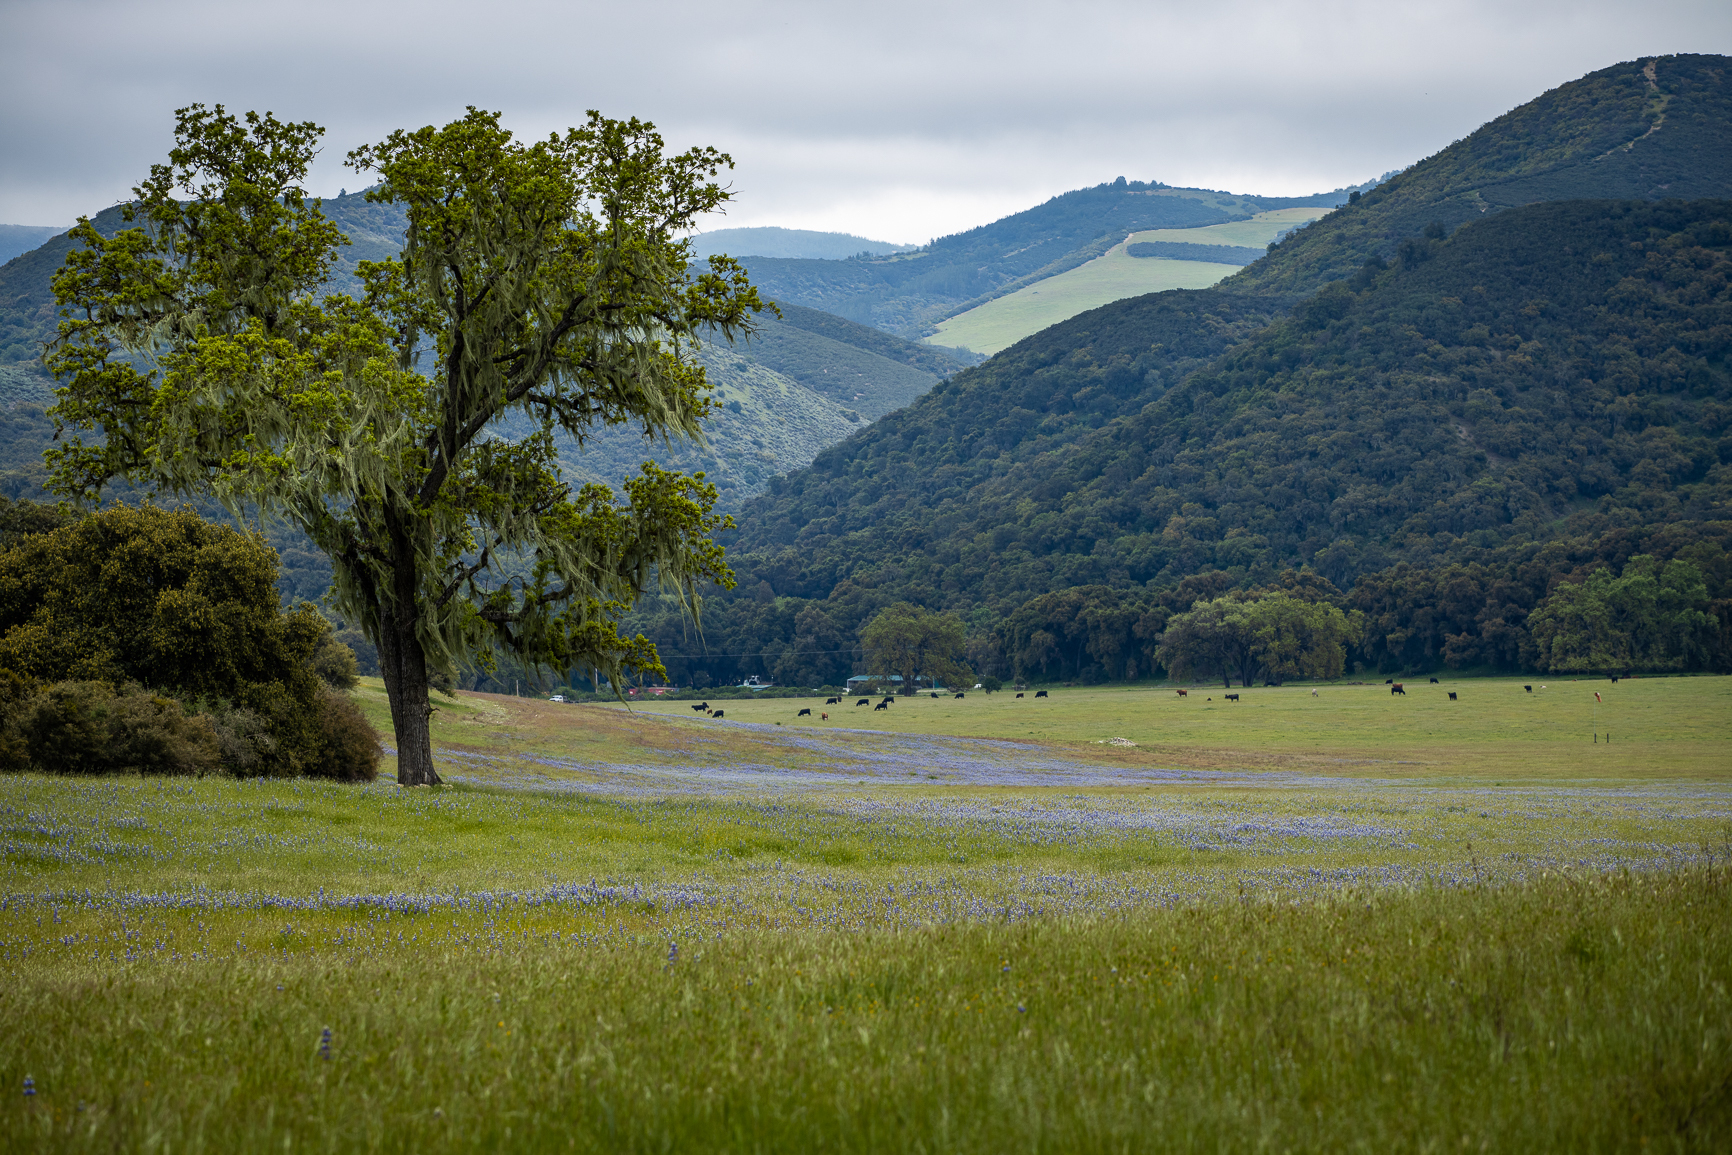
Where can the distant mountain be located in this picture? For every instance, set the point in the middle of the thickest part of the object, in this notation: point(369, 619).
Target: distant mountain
point(908, 293)
point(1484, 380)
point(17, 239)
point(802, 383)
point(769, 241)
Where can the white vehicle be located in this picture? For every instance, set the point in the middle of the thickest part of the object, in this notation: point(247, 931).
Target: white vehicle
point(557, 698)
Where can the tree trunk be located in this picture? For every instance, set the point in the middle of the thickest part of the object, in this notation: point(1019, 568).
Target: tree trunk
point(404, 665)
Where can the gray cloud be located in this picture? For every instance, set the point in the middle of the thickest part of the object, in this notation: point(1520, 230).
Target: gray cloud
point(898, 120)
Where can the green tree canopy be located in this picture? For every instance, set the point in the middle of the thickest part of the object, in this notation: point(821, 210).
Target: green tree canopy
point(543, 282)
point(916, 643)
point(1272, 634)
point(1654, 616)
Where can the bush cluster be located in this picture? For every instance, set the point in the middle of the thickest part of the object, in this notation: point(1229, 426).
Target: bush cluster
point(151, 641)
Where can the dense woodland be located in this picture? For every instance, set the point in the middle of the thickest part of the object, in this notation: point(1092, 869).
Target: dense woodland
point(1444, 437)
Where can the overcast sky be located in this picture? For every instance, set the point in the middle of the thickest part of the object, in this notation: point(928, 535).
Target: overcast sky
point(893, 120)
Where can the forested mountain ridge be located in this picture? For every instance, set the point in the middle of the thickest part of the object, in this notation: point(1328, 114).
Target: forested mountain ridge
point(1481, 389)
point(1645, 129)
point(1549, 382)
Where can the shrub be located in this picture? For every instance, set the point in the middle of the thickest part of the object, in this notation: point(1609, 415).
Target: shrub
point(87, 728)
point(334, 663)
point(248, 747)
point(348, 749)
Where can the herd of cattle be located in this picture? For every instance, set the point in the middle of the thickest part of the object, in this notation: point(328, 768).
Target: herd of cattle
point(890, 699)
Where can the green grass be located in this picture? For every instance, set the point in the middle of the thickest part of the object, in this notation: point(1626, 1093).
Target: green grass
point(1002, 322)
point(1116, 274)
point(1254, 233)
point(1571, 1015)
point(625, 931)
point(1677, 728)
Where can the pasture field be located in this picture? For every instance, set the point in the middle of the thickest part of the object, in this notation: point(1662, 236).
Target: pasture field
point(1113, 275)
point(626, 931)
point(1254, 233)
point(1658, 727)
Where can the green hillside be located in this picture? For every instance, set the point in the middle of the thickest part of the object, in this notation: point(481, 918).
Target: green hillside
point(1114, 275)
point(1642, 130)
point(1468, 416)
point(1545, 390)
point(909, 293)
point(1190, 258)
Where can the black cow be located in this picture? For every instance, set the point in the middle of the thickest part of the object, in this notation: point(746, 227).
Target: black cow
point(832, 701)
point(1529, 689)
point(718, 713)
point(1395, 688)
point(1434, 681)
point(889, 699)
point(1614, 679)
point(1019, 695)
point(935, 695)
point(1389, 681)
point(804, 714)
point(1231, 697)
point(701, 706)
point(1040, 693)
point(864, 702)
point(882, 706)
point(1452, 695)
point(956, 695)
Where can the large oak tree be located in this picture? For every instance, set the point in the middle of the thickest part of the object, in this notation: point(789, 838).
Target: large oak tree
point(546, 280)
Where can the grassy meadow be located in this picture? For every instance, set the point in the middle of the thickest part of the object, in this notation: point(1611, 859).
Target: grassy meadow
point(1112, 276)
point(1256, 232)
point(1322, 923)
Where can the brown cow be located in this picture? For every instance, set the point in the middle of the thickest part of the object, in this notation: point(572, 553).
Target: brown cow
point(1395, 688)
point(1182, 694)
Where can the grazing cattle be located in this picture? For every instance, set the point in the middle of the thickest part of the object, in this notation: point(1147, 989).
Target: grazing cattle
point(1389, 681)
point(826, 717)
point(935, 695)
point(882, 706)
point(832, 701)
point(1434, 681)
point(1452, 695)
point(1313, 693)
point(1019, 695)
point(1614, 679)
point(804, 714)
point(1395, 688)
point(1529, 689)
point(1230, 697)
point(1596, 695)
point(889, 700)
point(864, 702)
point(953, 695)
point(701, 706)
point(717, 713)
point(1040, 693)
point(1184, 693)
